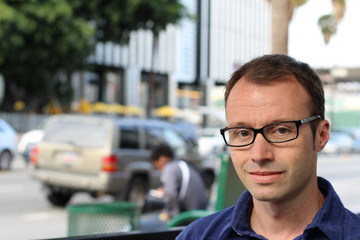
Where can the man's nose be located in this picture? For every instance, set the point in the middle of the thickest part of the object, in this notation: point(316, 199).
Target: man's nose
point(261, 149)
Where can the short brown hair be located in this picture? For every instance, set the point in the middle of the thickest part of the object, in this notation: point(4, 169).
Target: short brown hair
point(161, 150)
point(269, 68)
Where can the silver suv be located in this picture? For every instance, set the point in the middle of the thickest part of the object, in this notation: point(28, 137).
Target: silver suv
point(106, 155)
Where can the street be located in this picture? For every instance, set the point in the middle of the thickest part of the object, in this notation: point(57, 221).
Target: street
point(343, 172)
point(24, 210)
point(25, 213)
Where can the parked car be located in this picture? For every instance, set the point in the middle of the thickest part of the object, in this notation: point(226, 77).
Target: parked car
point(339, 142)
point(211, 141)
point(189, 131)
point(354, 132)
point(105, 155)
point(8, 142)
point(356, 146)
point(27, 141)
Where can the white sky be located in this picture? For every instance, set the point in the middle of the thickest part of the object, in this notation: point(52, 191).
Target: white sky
point(306, 41)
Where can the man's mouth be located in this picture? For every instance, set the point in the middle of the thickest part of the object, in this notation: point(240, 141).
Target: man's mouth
point(265, 177)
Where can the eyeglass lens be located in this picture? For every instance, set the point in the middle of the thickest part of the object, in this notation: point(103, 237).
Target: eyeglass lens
point(276, 133)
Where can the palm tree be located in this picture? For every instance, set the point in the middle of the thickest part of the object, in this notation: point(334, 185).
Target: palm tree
point(282, 12)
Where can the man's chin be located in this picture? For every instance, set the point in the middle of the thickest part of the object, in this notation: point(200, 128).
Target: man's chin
point(265, 195)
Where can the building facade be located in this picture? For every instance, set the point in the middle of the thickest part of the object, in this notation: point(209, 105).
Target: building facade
point(189, 61)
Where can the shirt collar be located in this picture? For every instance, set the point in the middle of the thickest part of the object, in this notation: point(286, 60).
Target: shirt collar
point(326, 220)
point(240, 220)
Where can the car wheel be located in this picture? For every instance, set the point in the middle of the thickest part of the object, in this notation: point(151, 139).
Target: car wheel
point(137, 191)
point(58, 199)
point(5, 160)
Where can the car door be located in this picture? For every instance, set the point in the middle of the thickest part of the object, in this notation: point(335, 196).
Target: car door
point(76, 144)
point(129, 150)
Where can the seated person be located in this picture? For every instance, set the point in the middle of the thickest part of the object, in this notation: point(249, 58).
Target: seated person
point(179, 195)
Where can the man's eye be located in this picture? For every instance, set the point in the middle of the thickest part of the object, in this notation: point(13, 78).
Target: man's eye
point(243, 133)
point(282, 130)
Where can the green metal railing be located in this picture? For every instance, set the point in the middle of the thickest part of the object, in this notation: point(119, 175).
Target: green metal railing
point(100, 218)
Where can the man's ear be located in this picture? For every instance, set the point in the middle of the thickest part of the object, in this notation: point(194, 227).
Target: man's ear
point(322, 135)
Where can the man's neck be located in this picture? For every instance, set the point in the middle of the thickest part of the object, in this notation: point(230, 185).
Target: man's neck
point(285, 220)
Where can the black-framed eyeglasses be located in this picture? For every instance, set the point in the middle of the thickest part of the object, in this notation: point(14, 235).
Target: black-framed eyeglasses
point(278, 132)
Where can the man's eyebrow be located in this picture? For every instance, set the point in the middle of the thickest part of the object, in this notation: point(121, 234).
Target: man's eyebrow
point(243, 124)
point(239, 124)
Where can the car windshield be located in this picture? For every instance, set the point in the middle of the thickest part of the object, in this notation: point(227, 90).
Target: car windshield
point(85, 135)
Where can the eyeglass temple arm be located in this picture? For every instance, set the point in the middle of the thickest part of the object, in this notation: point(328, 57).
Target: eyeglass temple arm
point(309, 119)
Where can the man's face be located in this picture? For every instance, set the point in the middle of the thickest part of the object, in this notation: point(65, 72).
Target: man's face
point(274, 172)
point(161, 162)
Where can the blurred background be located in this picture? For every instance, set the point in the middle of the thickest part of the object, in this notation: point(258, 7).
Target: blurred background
point(164, 59)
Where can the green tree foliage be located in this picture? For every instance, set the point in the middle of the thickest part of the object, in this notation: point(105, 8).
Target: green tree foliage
point(38, 39)
point(114, 20)
point(41, 41)
point(155, 15)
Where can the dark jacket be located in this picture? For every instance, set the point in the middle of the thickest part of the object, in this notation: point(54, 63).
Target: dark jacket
point(184, 188)
point(333, 221)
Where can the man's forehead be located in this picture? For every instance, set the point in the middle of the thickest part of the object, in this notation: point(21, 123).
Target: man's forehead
point(283, 100)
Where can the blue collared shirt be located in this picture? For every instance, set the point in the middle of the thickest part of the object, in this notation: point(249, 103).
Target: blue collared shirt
point(333, 221)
